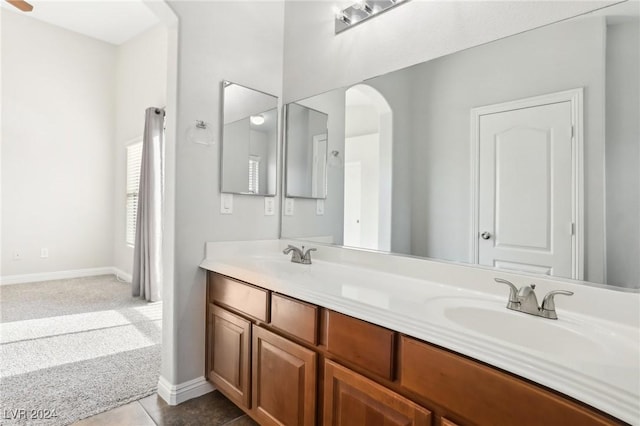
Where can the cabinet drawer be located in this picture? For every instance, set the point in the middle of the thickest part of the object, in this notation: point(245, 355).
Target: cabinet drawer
point(366, 345)
point(483, 394)
point(295, 317)
point(240, 296)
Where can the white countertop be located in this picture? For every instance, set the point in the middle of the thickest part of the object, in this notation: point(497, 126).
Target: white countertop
point(593, 357)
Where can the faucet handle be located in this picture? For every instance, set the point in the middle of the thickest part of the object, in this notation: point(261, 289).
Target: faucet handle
point(549, 304)
point(306, 255)
point(513, 292)
point(548, 309)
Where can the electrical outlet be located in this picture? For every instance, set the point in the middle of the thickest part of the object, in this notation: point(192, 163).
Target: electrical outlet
point(44, 253)
point(288, 206)
point(17, 255)
point(269, 206)
point(226, 203)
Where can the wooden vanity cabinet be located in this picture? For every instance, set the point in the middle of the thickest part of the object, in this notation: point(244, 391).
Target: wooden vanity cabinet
point(269, 376)
point(288, 362)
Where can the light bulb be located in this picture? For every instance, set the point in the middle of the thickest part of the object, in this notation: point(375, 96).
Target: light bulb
point(257, 120)
point(340, 15)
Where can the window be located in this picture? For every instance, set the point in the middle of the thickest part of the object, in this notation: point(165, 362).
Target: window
point(254, 174)
point(134, 162)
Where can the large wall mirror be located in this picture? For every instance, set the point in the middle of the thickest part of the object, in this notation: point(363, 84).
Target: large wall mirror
point(521, 154)
point(306, 152)
point(249, 141)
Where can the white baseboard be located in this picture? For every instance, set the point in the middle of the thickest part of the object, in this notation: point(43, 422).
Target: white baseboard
point(62, 275)
point(177, 394)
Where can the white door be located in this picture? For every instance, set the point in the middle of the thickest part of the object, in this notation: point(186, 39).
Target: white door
point(525, 189)
point(352, 204)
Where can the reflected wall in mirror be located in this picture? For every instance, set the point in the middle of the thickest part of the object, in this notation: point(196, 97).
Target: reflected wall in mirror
point(307, 149)
point(567, 167)
point(249, 141)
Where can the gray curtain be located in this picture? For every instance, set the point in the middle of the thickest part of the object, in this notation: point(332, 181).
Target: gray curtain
point(147, 256)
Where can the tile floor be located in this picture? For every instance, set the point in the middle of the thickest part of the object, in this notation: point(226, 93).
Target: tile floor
point(210, 409)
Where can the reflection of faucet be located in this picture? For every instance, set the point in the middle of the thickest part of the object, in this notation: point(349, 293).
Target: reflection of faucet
point(525, 300)
point(299, 256)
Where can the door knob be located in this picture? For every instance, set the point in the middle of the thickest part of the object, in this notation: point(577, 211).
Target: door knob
point(485, 235)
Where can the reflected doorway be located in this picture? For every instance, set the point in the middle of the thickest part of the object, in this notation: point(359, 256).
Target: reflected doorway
point(368, 161)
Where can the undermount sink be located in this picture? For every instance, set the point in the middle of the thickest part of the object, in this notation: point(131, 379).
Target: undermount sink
point(492, 319)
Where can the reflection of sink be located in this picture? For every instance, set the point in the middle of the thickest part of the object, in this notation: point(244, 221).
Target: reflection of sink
point(494, 320)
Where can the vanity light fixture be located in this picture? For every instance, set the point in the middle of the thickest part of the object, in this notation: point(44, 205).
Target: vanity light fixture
point(360, 11)
point(200, 133)
point(257, 120)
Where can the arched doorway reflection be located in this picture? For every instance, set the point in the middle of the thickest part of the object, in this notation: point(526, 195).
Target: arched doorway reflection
point(368, 169)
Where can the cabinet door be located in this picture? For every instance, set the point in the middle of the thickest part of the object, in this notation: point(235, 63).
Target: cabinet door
point(352, 400)
point(229, 354)
point(283, 381)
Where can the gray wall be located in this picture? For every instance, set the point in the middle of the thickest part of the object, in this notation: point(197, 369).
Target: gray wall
point(623, 153)
point(241, 42)
point(58, 119)
point(317, 60)
point(550, 59)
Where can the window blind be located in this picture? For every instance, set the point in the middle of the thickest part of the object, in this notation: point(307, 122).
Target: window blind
point(134, 163)
point(254, 174)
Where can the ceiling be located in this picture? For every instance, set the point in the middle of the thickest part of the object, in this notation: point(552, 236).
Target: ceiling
point(112, 21)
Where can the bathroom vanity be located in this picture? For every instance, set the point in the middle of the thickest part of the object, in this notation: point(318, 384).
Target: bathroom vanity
point(341, 342)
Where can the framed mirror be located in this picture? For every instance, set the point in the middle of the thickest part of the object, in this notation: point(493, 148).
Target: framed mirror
point(306, 152)
point(249, 141)
point(451, 159)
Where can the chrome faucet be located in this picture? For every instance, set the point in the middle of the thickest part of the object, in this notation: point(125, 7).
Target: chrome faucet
point(298, 255)
point(525, 300)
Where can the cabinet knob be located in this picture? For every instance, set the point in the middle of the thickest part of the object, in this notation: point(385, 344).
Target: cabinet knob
point(485, 235)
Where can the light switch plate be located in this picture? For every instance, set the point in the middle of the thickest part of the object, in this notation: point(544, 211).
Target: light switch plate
point(269, 206)
point(319, 207)
point(226, 203)
point(288, 206)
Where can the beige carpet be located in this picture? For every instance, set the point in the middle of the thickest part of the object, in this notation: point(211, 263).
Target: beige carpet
point(73, 348)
